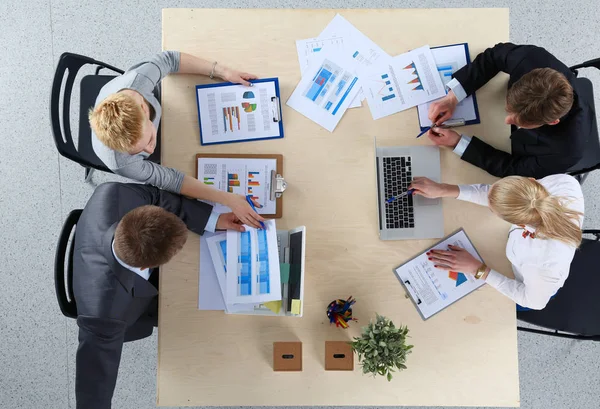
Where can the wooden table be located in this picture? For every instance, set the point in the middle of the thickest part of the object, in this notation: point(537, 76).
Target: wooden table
point(466, 355)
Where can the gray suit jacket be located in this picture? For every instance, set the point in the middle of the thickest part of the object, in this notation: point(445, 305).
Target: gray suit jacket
point(115, 305)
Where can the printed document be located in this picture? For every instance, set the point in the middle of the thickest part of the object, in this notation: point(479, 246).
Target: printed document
point(252, 268)
point(433, 289)
point(448, 60)
point(326, 89)
point(240, 176)
point(234, 113)
point(398, 83)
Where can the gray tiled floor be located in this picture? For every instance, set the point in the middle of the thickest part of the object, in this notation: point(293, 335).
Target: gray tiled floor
point(37, 345)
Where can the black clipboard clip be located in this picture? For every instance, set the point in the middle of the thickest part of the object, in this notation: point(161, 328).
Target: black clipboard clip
point(275, 109)
point(407, 283)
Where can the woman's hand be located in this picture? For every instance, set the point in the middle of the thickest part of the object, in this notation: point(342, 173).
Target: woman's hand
point(238, 77)
point(456, 259)
point(428, 188)
point(244, 212)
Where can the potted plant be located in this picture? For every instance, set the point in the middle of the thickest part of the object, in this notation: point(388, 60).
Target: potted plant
point(382, 347)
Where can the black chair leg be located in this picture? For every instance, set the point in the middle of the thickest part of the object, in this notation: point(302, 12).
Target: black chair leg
point(88, 174)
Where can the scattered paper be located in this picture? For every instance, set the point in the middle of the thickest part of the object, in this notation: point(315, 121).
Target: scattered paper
point(326, 89)
point(448, 60)
point(210, 296)
point(252, 257)
point(398, 83)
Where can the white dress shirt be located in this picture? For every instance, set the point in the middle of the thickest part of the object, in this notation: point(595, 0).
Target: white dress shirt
point(145, 273)
point(460, 94)
point(540, 266)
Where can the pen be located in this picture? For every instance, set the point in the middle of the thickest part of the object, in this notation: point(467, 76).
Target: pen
point(408, 192)
point(249, 200)
point(451, 123)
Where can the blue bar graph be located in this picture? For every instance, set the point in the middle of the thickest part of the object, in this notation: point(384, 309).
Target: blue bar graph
point(444, 68)
point(387, 83)
point(318, 84)
point(328, 105)
point(316, 50)
point(384, 76)
point(388, 97)
point(344, 96)
point(355, 54)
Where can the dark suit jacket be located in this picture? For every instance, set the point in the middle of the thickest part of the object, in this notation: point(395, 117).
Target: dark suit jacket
point(539, 152)
point(114, 304)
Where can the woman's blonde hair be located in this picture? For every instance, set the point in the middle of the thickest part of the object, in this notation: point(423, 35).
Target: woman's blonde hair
point(118, 122)
point(520, 200)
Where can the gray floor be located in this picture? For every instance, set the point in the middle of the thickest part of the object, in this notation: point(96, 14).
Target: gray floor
point(37, 345)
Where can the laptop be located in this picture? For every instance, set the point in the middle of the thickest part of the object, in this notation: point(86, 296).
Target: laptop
point(410, 217)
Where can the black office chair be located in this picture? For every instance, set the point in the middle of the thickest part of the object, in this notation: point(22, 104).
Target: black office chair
point(64, 288)
point(575, 310)
point(591, 159)
point(69, 65)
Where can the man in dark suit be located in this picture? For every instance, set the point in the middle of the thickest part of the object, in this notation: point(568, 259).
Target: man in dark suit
point(123, 234)
point(549, 117)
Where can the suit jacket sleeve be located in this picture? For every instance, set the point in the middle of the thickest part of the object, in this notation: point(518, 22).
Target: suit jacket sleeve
point(503, 57)
point(501, 164)
point(97, 361)
point(192, 212)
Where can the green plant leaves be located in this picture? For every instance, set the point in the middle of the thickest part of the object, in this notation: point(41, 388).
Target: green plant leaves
point(382, 347)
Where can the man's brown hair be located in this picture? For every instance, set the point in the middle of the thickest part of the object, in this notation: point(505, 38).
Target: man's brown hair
point(149, 236)
point(540, 97)
point(118, 122)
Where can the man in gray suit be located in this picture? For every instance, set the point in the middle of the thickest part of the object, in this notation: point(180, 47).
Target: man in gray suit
point(123, 234)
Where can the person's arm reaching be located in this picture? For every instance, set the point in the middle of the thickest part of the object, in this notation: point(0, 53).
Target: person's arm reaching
point(97, 361)
point(195, 65)
point(535, 292)
point(501, 164)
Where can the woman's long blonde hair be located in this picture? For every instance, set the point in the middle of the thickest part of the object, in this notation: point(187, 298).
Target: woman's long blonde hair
point(520, 200)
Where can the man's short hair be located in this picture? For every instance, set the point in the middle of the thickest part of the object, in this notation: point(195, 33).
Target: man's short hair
point(540, 97)
point(149, 236)
point(118, 122)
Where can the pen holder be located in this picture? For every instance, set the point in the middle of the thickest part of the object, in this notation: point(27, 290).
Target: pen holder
point(339, 312)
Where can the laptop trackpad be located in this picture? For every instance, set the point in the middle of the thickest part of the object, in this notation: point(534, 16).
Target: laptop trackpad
point(423, 201)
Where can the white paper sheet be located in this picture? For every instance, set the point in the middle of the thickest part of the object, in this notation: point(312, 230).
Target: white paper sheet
point(448, 60)
point(327, 88)
point(309, 47)
point(240, 176)
point(210, 296)
point(398, 83)
point(433, 289)
point(237, 113)
point(253, 273)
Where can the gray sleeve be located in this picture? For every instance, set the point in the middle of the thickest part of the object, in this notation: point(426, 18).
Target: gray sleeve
point(136, 168)
point(159, 66)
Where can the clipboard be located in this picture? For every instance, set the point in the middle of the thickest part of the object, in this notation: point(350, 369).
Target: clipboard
point(462, 288)
point(477, 119)
point(277, 185)
point(229, 122)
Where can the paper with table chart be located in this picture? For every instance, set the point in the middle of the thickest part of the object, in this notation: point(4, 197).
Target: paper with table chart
point(327, 88)
point(398, 83)
point(235, 113)
point(309, 47)
point(448, 60)
point(252, 258)
point(240, 176)
point(433, 289)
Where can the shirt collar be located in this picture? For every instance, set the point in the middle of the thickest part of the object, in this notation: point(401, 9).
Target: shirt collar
point(144, 273)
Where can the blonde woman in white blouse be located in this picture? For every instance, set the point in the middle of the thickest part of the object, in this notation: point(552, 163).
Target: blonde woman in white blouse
point(546, 217)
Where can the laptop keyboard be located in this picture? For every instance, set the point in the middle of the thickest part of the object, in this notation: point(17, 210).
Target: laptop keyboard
point(397, 175)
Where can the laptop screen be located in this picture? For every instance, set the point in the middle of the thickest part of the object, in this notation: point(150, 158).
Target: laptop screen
point(295, 267)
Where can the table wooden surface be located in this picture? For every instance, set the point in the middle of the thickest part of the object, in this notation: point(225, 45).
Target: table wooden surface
point(466, 355)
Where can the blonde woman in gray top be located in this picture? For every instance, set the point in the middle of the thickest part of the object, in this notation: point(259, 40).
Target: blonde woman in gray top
point(125, 120)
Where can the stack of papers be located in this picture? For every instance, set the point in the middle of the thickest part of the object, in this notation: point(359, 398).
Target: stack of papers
point(240, 272)
point(342, 66)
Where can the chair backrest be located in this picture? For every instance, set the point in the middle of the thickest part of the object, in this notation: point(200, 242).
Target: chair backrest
point(591, 158)
point(64, 287)
point(576, 306)
point(69, 65)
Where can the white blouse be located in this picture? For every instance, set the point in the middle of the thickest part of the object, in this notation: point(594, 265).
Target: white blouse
point(541, 266)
